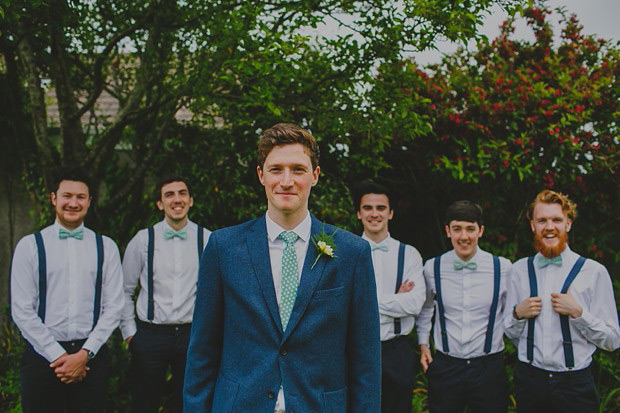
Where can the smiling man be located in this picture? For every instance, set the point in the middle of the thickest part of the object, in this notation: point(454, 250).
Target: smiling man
point(280, 326)
point(66, 299)
point(466, 288)
point(400, 292)
point(163, 260)
point(568, 306)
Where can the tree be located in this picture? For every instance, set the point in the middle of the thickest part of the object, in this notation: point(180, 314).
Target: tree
point(504, 122)
point(238, 66)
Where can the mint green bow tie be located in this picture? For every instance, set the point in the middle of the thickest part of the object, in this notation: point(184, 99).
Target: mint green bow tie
point(168, 233)
point(382, 246)
point(77, 234)
point(544, 261)
point(459, 265)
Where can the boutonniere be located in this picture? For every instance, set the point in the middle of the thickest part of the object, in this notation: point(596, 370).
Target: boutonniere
point(324, 244)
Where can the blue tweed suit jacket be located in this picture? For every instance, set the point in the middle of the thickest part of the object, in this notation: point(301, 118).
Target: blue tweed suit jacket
point(327, 359)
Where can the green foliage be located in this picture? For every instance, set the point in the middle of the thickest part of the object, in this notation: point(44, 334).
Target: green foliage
point(497, 126)
point(11, 349)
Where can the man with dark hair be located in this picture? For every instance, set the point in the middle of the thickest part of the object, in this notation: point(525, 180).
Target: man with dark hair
point(400, 290)
point(66, 299)
point(466, 287)
point(163, 260)
point(286, 310)
point(568, 305)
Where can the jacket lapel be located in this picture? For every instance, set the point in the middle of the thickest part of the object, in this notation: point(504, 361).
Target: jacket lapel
point(258, 248)
point(309, 279)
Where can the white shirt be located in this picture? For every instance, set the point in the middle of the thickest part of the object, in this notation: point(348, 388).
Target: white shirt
point(71, 278)
point(175, 275)
point(597, 326)
point(467, 296)
point(276, 249)
point(405, 306)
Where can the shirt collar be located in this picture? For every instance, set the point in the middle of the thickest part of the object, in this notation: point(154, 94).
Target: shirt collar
point(167, 226)
point(474, 258)
point(386, 239)
point(58, 225)
point(302, 229)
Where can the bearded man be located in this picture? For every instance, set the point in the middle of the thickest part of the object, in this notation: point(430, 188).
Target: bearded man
point(563, 309)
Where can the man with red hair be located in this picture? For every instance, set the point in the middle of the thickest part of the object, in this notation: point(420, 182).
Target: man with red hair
point(563, 309)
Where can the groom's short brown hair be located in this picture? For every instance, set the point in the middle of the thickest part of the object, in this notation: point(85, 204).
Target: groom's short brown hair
point(287, 134)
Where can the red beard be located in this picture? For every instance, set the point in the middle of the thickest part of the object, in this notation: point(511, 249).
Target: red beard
point(550, 252)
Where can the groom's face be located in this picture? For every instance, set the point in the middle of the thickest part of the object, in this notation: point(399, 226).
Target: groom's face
point(287, 176)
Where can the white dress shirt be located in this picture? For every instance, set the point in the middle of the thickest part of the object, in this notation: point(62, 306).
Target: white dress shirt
point(276, 249)
point(175, 275)
point(467, 296)
point(405, 306)
point(71, 277)
point(597, 326)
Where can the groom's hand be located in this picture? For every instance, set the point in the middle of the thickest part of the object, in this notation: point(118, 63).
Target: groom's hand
point(406, 287)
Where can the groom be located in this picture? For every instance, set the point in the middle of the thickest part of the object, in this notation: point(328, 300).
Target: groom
point(277, 325)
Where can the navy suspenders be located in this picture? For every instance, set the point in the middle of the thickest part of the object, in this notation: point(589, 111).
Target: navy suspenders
point(531, 322)
point(399, 281)
point(43, 277)
point(567, 341)
point(99, 282)
point(496, 280)
point(200, 238)
point(442, 316)
point(150, 312)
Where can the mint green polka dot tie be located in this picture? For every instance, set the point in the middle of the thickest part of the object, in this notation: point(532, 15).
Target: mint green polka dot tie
point(289, 276)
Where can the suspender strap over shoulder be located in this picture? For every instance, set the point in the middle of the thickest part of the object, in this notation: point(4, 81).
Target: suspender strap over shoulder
point(99, 281)
point(201, 238)
point(399, 280)
point(496, 281)
point(531, 322)
point(567, 341)
point(42, 275)
point(442, 315)
point(150, 312)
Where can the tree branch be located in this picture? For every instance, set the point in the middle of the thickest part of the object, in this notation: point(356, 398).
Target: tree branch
point(98, 65)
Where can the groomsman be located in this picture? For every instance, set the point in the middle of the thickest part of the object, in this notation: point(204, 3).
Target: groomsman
point(286, 313)
point(562, 309)
point(400, 291)
point(466, 287)
point(66, 299)
point(163, 260)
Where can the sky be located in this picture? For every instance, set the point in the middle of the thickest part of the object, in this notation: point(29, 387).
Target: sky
point(599, 17)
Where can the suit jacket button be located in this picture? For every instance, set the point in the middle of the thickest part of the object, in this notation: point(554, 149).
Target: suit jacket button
point(271, 394)
point(283, 352)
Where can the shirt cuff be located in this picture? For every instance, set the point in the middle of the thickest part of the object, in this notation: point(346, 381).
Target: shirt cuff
point(423, 339)
point(92, 344)
point(53, 351)
point(129, 329)
point(585, 320)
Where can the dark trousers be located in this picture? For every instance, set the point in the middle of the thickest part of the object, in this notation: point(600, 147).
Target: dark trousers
point(397, 375)
point(480, 384)
point(43, 392)
point(154, 349)
point(545, 391)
